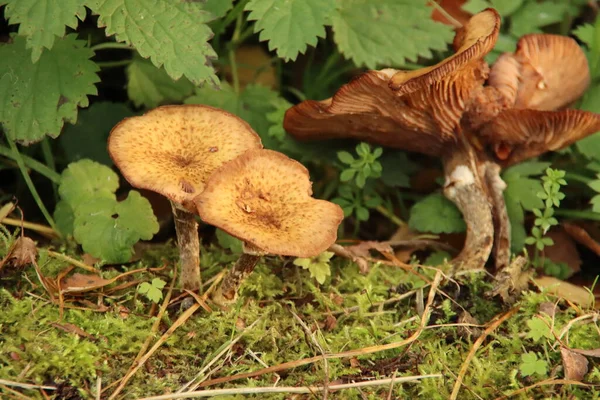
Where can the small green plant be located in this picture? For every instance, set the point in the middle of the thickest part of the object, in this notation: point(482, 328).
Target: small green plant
point(551, 197)
point(363, 167)
point(152, 290)
point(538, 329)
point(531, 364)
point(318, 266)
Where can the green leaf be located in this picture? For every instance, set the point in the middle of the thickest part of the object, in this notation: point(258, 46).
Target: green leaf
point(345, 157)
point(436, 214)
point(150, 86)
point(374, 33)
point(437, 258)
point(506, 7)
point(290, 25)
point(538, 329)
point(36, 99)
point(43, 20)
point(252, 105)
point(534, 15)
point(317, 266)
point(475, 6)
point(396, 169)
point(153, 291)
point(532, 365)
point(218, 8)
point(85, 180)
point(173, 34)
point(64, 218)
point(229, 242)
point(516, 216)
point(108, 229)
point(585, 33)
point(347, 175)
point(87, 138)
point(276, 118)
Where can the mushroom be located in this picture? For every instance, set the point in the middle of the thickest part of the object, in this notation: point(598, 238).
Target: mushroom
point(264, 198)
point(447, 111)
point(172, 150)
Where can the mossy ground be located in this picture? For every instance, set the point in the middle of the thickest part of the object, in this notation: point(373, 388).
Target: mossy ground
point(350, 311)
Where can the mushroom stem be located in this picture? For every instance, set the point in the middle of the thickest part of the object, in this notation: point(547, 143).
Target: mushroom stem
point(496, 187)
point(465, 188)
point(227, 292)
point(188, 243)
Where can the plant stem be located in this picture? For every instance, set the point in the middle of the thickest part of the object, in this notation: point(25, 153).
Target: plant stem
point(19, 159)
point(579, 214)
point(227, 292)
point(113, 64)
point(42, 229)
point(73, 261)
point(231, 53)
point(188, 243)
point(111, 46)
point(32, 164)
point(390, 215)
point(49, 159)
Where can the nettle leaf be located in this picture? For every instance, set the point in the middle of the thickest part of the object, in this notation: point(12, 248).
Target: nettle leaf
point(36, 99)
point(85, 180)
point(108, 229)
point(218, 8)
point(374, 33)
point(173, 34)
point(436, 214)
point(150, 86)
point(87, 138)
point(290, 25)
point(253, 105)
point(585, 33)
point(42, 21)
point(532, 16)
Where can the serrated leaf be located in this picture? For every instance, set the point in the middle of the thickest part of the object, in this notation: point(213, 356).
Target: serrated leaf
point(42, 21)
point(150, 86)
point(85, 180)
point(36, 99)
point(585, 33)
point(436, 214)
point(173, 34)
point(253, 105)
point(276, 118)
point(290, 25)
point(374, 33)
point(87, 138)
point(532, 16)
point(218, 8)
point(108, 229)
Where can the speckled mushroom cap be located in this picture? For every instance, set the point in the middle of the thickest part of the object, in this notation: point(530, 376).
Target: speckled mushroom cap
point(172, 150)
point(264, 198)
point(547, 72)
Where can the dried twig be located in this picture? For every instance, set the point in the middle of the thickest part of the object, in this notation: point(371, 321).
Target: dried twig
point(463, 369)
point(546, 382)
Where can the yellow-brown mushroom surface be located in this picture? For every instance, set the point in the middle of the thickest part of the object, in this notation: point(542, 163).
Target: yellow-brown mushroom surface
point(264, 198)
point(172, 150)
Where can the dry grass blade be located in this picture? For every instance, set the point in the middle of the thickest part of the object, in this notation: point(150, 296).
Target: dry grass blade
point(41, 229)
point(25, 385)
point(463, 369)
point(345, 354)
point(288, 389)
point(546, 383)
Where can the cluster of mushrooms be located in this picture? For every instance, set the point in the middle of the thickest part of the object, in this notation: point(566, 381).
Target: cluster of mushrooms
point(476, 118)
point(210, 163)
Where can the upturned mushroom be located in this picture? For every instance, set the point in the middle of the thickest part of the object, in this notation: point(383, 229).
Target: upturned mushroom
point(172, 150)
point(447, 111)
point(264, 198)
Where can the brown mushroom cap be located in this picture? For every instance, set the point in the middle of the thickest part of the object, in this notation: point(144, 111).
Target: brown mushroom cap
point(410, 110)
point(264, 198)
point(517, 135)
point(472, 42)
point(547, 72)
point(172, 150)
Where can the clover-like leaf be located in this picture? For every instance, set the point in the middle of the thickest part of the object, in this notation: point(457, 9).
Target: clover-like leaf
point(173, 34)
point(318, 266)
point(290, 25)
point(108, 229)
point(42, 21)
point(36, 99)
point(152, 290)
point(530, 365)
point(85, 180)
point(436, 214)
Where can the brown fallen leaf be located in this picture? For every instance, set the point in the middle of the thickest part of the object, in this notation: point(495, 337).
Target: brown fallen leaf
point(579, 234)
point(564, 290)
point(22, 253)
point(548, 308)
point(575, 365)
point(589, 353)
point(83, 283)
